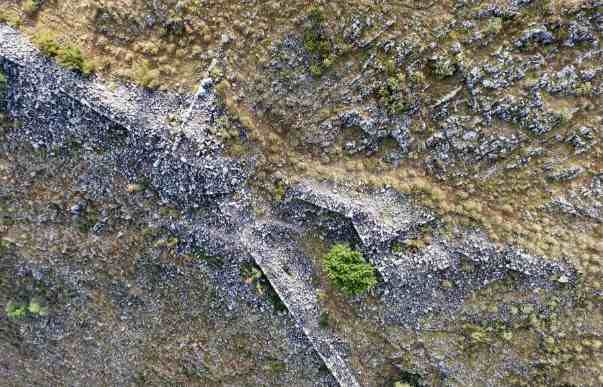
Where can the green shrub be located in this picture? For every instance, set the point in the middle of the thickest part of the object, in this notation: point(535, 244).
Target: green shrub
point(67, 56)
point(316, 70)
point(393, 97)
point(146, 76)
point(36, 308)
point(409, 379)
point(317, 43)
point(348, 270)
point(324, 320)
point(213, 260)
point(31, 7)
point(279, 191)
point(71, 58)
point(494, 26)
point(443, 67)
point(47, 43)
point(15, 311)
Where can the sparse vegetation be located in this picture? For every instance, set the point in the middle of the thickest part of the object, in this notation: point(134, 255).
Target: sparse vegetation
point(10, 18)
point(279, 191)
point(3, 84)
point(392, 95)
point(213, 260)
point(317, 43)
point(31, 7)
point(494, 25)
point(17, 311)
point(67, 56)
point(348, 270)
point(146, 76)
point(253, 275)
point(72, 58)
point(409, 379)
point(443, 67)
point(324, 320)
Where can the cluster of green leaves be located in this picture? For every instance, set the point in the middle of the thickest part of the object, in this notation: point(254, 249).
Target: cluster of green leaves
point(317, 44)
point(324, 320)
point(279, 191)
point(393, 98)
point(20, 310)
point(393, 92)
point(67, 56)
point(348, 270)
point(31, 7)
point(253, 275)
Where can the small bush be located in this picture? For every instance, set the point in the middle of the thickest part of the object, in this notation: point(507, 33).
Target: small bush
point(317, 43)
point(10, 18)
point(71, 58)
point(67, 56)
point(348, 270)
point(47, 44)
point(494, 26)
point(443, 67)
point(146, 76)
point(409, 379)
point(212, 260)
point(279, 191)
point(31, 7)
point(15, 311)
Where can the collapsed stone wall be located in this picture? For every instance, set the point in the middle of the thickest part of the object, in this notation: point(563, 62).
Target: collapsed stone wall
point(384, 220)
point(182, 162)
point(56, 107)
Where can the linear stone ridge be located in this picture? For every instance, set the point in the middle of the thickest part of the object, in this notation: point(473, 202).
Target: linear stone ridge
point(270, 244)
point(167, 131)
point(181, 160)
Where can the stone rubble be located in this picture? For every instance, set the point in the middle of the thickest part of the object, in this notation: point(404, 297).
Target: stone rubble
point(165, 140)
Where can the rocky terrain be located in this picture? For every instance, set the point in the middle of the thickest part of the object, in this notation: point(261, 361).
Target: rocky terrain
point(175, 175)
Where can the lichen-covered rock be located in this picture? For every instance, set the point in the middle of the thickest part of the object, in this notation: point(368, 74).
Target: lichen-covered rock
point(535, 35)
